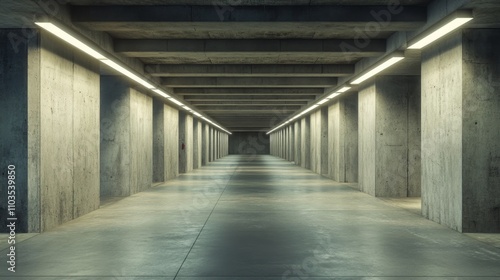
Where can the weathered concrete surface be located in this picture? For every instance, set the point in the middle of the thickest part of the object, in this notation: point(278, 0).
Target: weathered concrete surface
point(115, 137)
point(141, 141)
point(171, 126)
point(196, 144)
point(126, 138)
point(305, 143)
point(249, 143)
point(14, 122)
point(319, 141)
point(69, 139)
point(158, 141)
point(204, 144)
point(350, 132)
point(298, 143)
point(460, 139)
point(185, 142)
point(384, 137)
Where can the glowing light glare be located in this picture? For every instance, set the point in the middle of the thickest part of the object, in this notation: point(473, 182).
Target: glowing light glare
point(70, 39)
point(323, 101)
point(333, 95)
point(447, 28)
point(344, 89)
point(391, 61)
point(197, 114)
point(127, 73)
point(161, 93)
point(176, 101)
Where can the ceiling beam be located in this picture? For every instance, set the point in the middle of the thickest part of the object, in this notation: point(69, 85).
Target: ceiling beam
point(264, 13)
point(241, 102)
point(248, 70)
point(226, 47)
point(249, 91)
point(315, 82)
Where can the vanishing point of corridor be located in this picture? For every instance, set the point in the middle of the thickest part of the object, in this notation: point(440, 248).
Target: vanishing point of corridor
point(253, 217)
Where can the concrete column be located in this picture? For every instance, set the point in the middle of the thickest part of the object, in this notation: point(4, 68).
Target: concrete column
point(305, 142)
point(460, 135)
point(343, 140)
point(126, 138)
point(171, 138)
point(319, 141)
point(49, 99)
point(185, 142)
point(291, 141)
point(158, 142)
point(204, 144)
point(385, 130)
point(298, 143)
point(197, 149)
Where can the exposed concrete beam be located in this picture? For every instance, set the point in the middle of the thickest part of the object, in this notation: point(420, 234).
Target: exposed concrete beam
point(210, 13)
point(252, 108)
point(241, 102)
point(314, 82)
point(210, 47)
point(248, 70)
point(302, 99)
point(248, 91)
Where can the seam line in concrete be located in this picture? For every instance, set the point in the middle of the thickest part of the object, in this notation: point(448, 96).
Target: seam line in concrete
point(206, 221)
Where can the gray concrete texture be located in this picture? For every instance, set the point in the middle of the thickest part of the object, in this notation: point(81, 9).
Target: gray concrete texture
point(343, 139)
point(460, 139)
point(384, 132)
point(186, 146)
point(126, 139)
point(249, 143)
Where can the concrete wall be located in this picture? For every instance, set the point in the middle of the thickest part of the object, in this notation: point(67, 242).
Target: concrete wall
point(343, 140)
point(298, 142)
point(249, 143)
point(196, 144)
point(171, 138)
point(460, 139)
point(69, 138)
point(186, 146)
point(158, 142)
point(305, 142)
point(126, 138)
point(20, 126)
point(384, 137)
point(50, 123)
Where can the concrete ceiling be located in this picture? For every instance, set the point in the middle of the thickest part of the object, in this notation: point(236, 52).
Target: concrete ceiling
point(249, 64)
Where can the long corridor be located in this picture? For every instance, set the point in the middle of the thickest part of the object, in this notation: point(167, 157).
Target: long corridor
point(252, 217)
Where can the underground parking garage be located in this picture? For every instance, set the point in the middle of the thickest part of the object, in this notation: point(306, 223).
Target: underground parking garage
point(185, 139)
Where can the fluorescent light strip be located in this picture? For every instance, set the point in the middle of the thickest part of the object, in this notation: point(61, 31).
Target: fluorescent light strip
point(447, 28)
point(323, 101)
point(344, 89)
point(161, 93)
point(67, 37)
point(388, 63)
point(70, 39)
point(127, 73)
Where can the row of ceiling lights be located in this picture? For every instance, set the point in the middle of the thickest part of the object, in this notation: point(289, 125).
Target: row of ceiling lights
point(65, 34)
point(439, 30)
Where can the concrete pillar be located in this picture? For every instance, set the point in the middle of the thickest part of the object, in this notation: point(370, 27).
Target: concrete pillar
point(204, 144)
point(158, 142)
point(171, 138)
point(319, 141)
point(385, 131)
point(126, 138)
point(298, 145)
point(49, 99)
point(197, 149)
point(305, 142)
point(291, 141)
point(460, 135)
point(185, 142)
point(343, 140)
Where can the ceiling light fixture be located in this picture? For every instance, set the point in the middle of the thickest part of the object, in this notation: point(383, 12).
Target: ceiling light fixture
point(444, 27)
point(79, 42)
point(395, 58)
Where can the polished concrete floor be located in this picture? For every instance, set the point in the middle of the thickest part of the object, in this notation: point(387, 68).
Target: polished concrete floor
point(252, 217)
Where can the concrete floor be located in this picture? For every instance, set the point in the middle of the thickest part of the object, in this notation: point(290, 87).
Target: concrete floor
point(252, 217)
